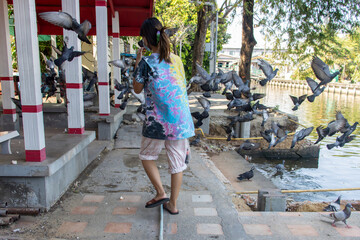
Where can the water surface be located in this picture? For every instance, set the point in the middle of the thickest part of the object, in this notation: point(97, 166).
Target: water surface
point(335, 168)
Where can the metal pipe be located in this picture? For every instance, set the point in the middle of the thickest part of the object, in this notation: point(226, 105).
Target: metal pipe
point(23, 211)
point(305, 190)
point(3, 212)
point(161, 223)
point(6, 221)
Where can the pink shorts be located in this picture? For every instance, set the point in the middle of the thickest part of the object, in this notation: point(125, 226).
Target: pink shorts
point(176, 151)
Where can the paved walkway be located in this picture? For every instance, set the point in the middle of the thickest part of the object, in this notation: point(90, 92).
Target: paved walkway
point(107, 202)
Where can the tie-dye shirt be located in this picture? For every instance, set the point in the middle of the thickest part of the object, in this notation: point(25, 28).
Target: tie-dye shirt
point(168, 114)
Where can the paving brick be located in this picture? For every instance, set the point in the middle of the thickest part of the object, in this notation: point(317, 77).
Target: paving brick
point(118, 227)
point(250, 214)
point(124, 211)
point(131, 198)
point(290, 214)
point(354, 231)
point(207, 228)
point(302, 230)
point(84, 210)
point(205, 212)
point(72, 227)
point(257, 229)
point(171, 228)
point(93, 198)
point(202, 198)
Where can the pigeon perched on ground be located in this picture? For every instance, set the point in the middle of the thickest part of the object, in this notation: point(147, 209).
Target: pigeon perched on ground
point(246, 175)
point(322, 133)
point(314, 88)
point(322, 71)
point(340, 216)
point(195, 141)
point(267, 70)
point(280, 167)
point(247, 145)
point(67, 54)
point(300, 135)
point(66, 21)
point(297, 101)
point(334, 206)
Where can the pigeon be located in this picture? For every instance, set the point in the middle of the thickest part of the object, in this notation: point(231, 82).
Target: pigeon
point(50, 65)
point(92, 81)
point(122, 64)
point(89, 96)
point(280, 167)
point(228, 86)
point(341, 216)
point(66, 21)
point(272, 142)
point(322, 132)
point(322, 71)
point(338, 125)
point(340, 141)
point(247, 175)
point(267, 70)
point(297, 101)
point(334, 206)
point(207, 94)
point(265, 116)
point(314, 88)
point(300, 135)
point(280, 134)
point(237, 102)
point(17, 102)
point(247, 145)
point(229, 96)
point(256, 96)
point(197, 79)
point(195, 141)
point(122, 88)
point(67, 54)
point(203, 73)
point(204, 103)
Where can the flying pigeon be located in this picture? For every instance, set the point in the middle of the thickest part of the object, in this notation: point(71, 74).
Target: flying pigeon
point(280, 134)
point(322, 71)
point(314, 88)
point(300, 135)
point(66, 21)
point(50, 65)
point(17, 102)
point(247, 175)
point(341, 216)
point(123, 64)
point(67, 54)
point(338, 125)
point(297, 101)
point(265, 116)
point(322, 132)
point(267, 70)
point(334, 206)
point(340, 141)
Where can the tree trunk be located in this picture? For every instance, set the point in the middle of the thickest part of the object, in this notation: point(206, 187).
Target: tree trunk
point(200, 37)
point(248, 40)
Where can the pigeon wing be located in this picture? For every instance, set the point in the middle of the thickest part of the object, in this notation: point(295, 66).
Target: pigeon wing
point(294, 99)
point(61, 19)
point(339, 116)
point(320, 69)
point(302, 98)
point(56, 50)
point(74, 54)
point(202, 72)
point(312, 84)
point(257, 96)
point(265, 67)
point(118, 63)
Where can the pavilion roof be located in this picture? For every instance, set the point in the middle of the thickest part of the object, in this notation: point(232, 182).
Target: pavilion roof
point(131, 15)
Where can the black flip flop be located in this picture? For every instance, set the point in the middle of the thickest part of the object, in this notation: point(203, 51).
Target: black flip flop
point(157, 203)
point(172, 213)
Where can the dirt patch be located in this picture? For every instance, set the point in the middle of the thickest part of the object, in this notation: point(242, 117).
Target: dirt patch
point(308, 206)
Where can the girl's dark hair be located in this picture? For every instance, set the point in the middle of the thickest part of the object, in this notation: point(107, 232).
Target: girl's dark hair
point(149, 30)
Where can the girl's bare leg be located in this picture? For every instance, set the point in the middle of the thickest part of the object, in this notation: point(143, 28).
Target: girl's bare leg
point(153, 173)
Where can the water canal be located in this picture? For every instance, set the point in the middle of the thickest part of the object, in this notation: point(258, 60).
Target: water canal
point(335, 168)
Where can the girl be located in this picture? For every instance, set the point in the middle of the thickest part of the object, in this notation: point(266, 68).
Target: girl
point(168, 120)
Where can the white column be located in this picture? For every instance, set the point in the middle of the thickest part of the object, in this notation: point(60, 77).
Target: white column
point(116, 53)
point(74, 87)
point(6, 73)
point(102, 57)
point(29, 73)
point(53, 42)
